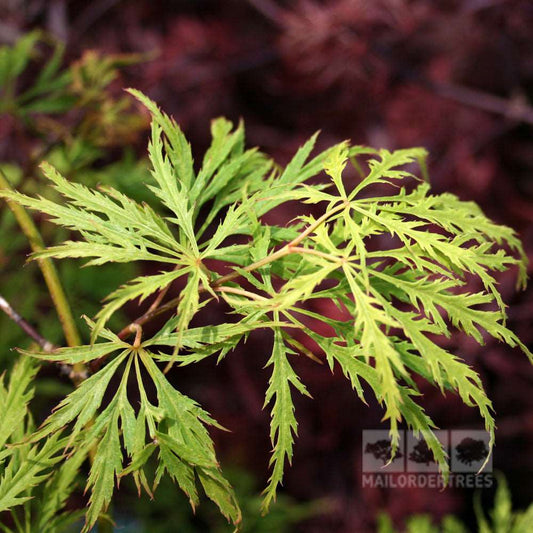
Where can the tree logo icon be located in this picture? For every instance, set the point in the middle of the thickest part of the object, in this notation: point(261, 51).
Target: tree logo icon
point(382, 450)
point(377, 452)
point(421, 454)
point(471, 450)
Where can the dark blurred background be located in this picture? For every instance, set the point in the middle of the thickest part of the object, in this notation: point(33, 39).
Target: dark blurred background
point(453, 76)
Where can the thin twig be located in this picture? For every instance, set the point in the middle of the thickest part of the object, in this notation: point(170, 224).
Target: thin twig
point(241, 292)
point(157, 302)
point(76, 375)
point(45, 344)
point(160, 297)
point(514, 108)
point(317, 253)
point(151, 312)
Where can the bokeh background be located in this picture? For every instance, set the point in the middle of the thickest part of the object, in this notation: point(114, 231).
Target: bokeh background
point(453, 76)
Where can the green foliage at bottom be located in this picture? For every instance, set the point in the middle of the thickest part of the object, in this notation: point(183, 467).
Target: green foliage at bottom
point(502, 518)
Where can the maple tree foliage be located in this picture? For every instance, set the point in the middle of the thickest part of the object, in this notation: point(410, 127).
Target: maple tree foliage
point(397, 301)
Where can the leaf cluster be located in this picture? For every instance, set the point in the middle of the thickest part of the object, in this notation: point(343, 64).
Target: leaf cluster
point(32, 473)
point(208, 232)
point(82, 86)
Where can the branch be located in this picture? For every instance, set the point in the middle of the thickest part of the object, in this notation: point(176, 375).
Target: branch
point(514, 108)
point(77, 375)
point(45, 344)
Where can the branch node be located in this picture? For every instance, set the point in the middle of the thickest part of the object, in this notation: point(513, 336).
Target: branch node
point(138, 330)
